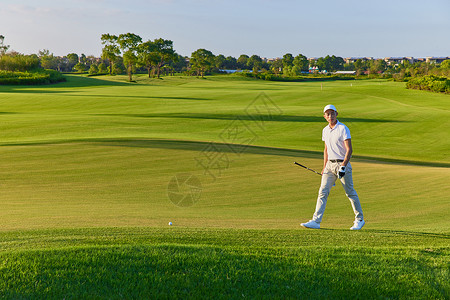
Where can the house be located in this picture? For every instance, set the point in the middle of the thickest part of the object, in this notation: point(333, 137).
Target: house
point(398, 60)
point(436, 60)
point(345, 72)
point(349, 60)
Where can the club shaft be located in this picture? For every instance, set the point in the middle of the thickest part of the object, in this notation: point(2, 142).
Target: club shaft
point(307, 168)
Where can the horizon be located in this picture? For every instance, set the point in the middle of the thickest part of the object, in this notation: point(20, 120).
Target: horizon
point(344, 29)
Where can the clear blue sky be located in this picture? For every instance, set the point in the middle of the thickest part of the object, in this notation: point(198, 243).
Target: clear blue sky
point(344, 28)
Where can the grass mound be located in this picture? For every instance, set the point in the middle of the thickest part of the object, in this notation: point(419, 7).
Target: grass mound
point(206, 263)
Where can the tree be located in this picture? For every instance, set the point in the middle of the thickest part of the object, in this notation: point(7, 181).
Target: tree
point(80, 67)
point(128, 43)
point(156, 54)
point(146, 55)
point(277, 66)
point(445, 65)
point(287, 60)
point(93, 70)
point(242, 61)
point(102, 68)
point(111, 50)
point(201, 61)
point(255, 63)
point(220, 61)
point(3, 47)
point(301, 62)
point(180, 64)
point(231, 63)
point(48, 61)
point(73, 59)
point(358, 65)
point(163, 54)
point(379, 65)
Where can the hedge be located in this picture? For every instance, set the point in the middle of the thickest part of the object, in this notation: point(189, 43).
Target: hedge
point(438, 84)
point(30, 78)
point(273, 77)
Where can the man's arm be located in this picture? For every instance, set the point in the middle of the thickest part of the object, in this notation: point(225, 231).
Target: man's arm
point(325, 158)
point(349, 151)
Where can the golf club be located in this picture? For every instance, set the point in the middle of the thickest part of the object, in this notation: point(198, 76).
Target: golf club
point(307, 168)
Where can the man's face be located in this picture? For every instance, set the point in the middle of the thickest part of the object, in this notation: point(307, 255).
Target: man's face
point(330, 115)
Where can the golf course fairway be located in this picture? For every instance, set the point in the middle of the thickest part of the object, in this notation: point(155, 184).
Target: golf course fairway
point(93, 170)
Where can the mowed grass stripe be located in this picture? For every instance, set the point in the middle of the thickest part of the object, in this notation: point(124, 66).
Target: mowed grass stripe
point(199, 110)
point(126, 184)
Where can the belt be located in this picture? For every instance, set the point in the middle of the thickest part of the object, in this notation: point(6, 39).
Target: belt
point(336, 160)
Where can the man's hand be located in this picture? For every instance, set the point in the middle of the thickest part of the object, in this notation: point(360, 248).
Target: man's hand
point(341, 172)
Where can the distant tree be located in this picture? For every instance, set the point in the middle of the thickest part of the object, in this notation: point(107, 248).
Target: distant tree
point(72, 59)
point(255, 62)
point(379, 65)
point(220, 61)
point(80, 67)
point(180, 64)
point(18, 62)
point(102, 68)
point(231, 63)
point(301, 62)
point(83, 58)
point(48, 60)
point(128, 43)
point(202, 61)
point(3, 47)
point(156, 54)
point(445, 65)
point(93, 69)
point(164, 53)
point(146, 56)
point(288, 60)
point(359, 66)
point(277, 66)
point(111, 50)
point(242, 61)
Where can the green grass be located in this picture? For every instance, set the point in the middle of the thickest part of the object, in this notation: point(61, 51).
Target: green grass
point(224, 263)
point(86, 164)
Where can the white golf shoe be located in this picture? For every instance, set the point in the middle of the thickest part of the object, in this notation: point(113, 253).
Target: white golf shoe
point(311, 224)
point(358, 224)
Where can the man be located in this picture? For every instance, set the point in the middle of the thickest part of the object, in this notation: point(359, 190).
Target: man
point(336, 164)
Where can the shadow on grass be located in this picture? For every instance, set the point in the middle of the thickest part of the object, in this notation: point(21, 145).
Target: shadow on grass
point(243, 117)
point(201, 146)
point(141, 97)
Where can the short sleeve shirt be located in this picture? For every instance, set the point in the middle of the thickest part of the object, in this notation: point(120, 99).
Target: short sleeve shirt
point(334, 139)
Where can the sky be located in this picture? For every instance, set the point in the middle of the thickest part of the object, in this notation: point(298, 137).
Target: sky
point(346, 28)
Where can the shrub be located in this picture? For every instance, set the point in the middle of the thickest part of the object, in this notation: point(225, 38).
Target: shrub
point(93, 70)
point(30, 78)
point(19, 62)
point(432, 83)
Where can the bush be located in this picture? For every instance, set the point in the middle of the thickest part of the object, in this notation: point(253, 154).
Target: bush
point(19, 62)
point(30, 78)
point(432, 83)
point(93, 70)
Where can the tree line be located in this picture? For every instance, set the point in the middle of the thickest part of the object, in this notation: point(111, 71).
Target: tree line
point(128, 53)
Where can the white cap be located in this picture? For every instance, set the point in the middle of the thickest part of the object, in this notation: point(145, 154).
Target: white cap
point(329, 106)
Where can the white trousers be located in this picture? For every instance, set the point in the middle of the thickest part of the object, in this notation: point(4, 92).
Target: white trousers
point(329, 177)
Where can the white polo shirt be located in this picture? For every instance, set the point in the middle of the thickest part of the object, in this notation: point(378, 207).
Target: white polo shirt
point(334, 139)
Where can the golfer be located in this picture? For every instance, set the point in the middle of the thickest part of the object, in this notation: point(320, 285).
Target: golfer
point(336, 164)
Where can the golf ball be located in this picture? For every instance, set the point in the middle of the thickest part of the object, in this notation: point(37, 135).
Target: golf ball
point(170, 223)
